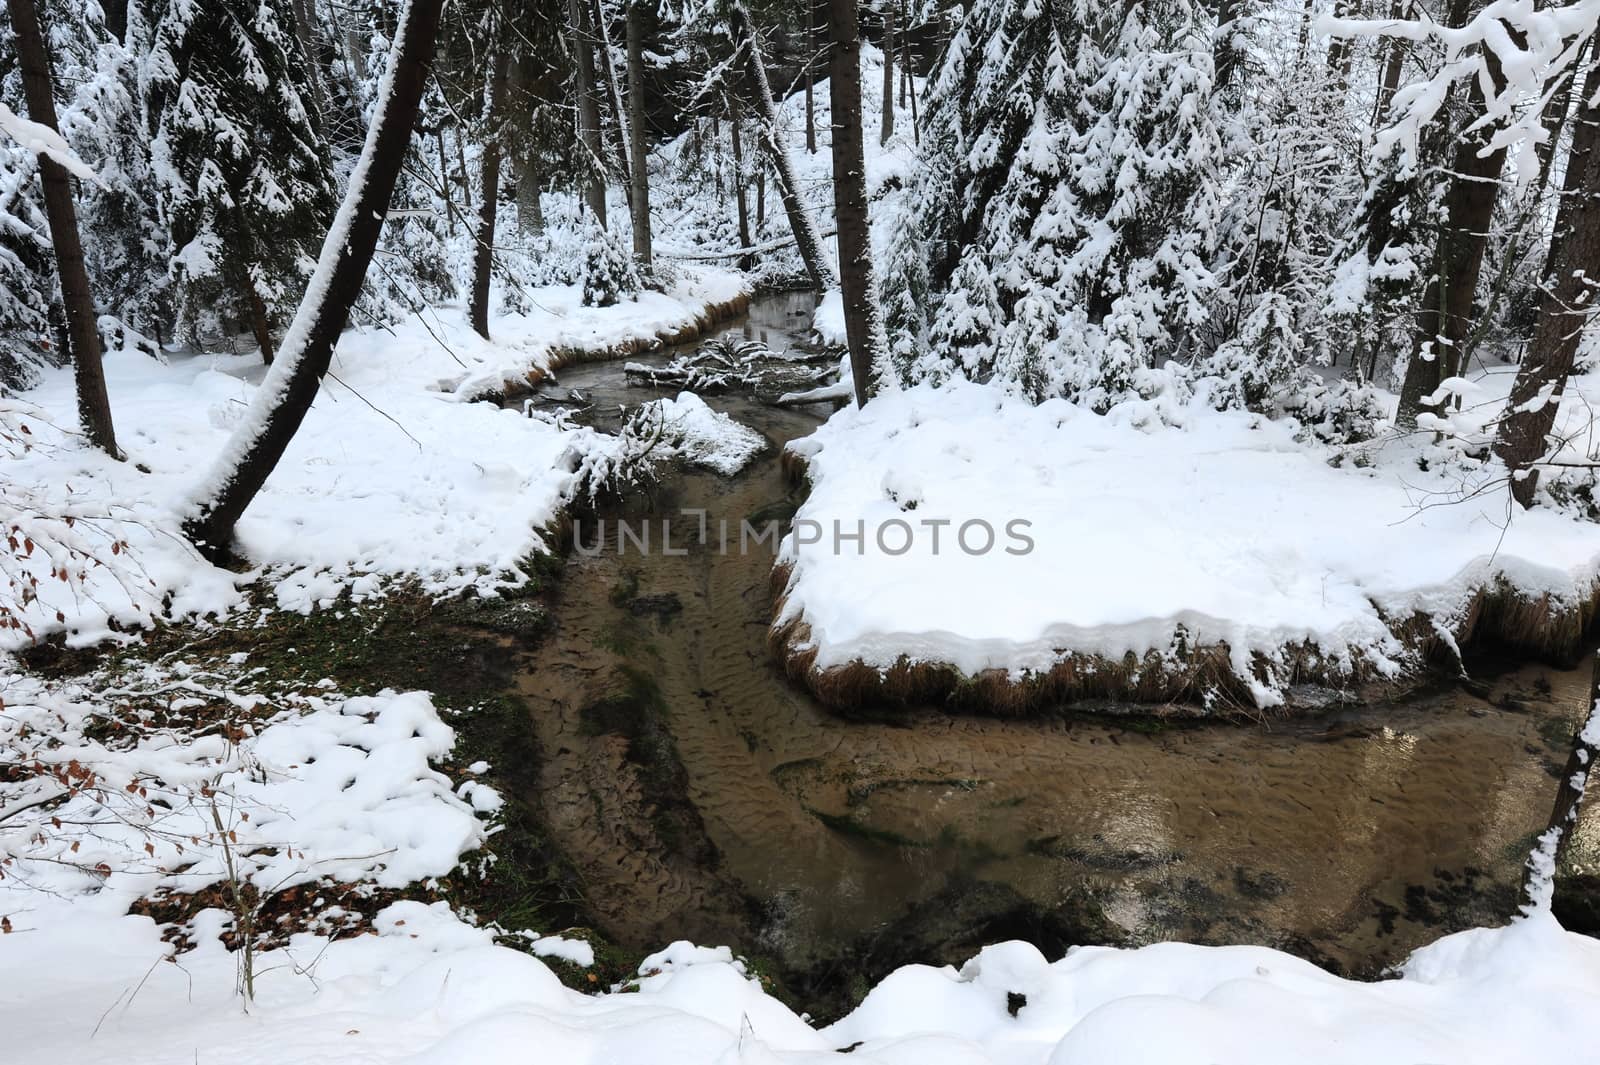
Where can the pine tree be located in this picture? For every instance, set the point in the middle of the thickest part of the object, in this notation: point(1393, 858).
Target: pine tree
point(244, 181)
point(1078, 148)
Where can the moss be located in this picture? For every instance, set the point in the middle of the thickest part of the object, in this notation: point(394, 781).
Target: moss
point(626, 588)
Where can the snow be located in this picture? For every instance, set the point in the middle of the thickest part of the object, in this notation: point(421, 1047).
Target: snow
point(428, 988)
point(396, 472)
point(357, 788)
point(705, 437)
point(40, 139)
point(1228, 526)
point(325, 786)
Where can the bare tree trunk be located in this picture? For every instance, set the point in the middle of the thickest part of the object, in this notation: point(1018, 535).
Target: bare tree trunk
point(594, 186)
point(619, 116)
point(801, 224)
point(888, 75)
point(643, 249)
point(305, 34)
point(445, 181)
point(281, 403)
point(811, 58)
point(1445, 316)
point(530, 206)
point(116, 12)
point(94, 408)
point(489, 201)
point(259, 324)
point(856, 283)
point(1570, 287)
point(1554, 117)
point(910, 85)
point(746, 260)
point(761, 197)
point(1392, 64)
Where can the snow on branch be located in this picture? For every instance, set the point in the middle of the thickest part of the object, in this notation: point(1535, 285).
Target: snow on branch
point(42, 140)
point(1535, 50)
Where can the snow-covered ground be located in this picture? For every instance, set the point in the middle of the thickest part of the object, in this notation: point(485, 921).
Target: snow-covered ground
point(315, 787)
point(1103, 535)
point(396, 472)
point(429, 988)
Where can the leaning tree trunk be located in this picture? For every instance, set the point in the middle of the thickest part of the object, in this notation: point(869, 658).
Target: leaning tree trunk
point(1445, 317)
point(1571, 286)
point(856, 284)
point(281, 403)
point(594, 186)
point(489, 200)
point(83, 336)
point(887, 130)
point(801, 224)
point(643, 249)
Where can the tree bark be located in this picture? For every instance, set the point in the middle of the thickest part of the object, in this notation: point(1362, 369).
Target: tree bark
point(1566, 305)
point(856, 284)
point(260, 326)
point(530, 206)
point(489, 201)
point(910, 85)
point(801, 224)
point(305, 35)
point(1392, 64)
point(83, 335)
point(281, 403)
point(619, 116)
point(1445, 316)
point(643, 243)
point(594, 186)
point(1554, 117)
point(742, 208)
point(811, 79)
point(888, 75)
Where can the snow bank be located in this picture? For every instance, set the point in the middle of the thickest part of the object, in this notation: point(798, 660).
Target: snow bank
point(1112, 537)
point(396, 471)
point(287, 792)
point(429, 989)
point(705, 437)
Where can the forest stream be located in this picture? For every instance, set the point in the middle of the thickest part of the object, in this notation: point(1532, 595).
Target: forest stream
point(702, 795)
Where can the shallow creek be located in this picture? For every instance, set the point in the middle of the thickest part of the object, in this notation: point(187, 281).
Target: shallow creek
point(703, 796)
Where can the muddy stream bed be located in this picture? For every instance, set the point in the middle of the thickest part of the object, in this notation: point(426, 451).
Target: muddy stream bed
point(702, 796)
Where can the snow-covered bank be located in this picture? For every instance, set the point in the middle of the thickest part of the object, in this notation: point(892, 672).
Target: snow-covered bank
point(396, 472)
point(428, 988)
point(1120, 556)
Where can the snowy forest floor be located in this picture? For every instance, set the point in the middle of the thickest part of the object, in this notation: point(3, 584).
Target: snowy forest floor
point(297, 758)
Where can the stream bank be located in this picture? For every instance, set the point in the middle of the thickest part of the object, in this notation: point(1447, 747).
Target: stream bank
point(700, 795)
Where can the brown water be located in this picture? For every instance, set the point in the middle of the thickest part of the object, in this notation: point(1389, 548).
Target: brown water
point(702, 796)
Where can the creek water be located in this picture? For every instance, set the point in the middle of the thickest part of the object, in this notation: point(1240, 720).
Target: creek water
point(702, 795)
